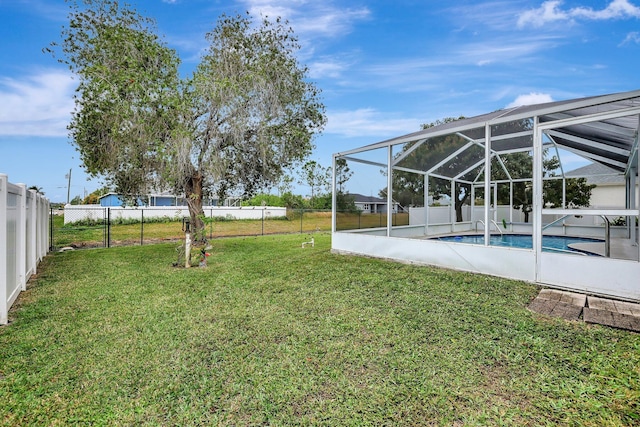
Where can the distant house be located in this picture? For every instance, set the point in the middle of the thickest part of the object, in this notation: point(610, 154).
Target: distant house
point(166, 199)
point(610, 185)
point(114, 200)
point(161, 199)
point(110, 200)
point(371, 204)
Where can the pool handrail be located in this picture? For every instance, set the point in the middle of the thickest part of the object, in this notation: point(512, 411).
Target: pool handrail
point(553, 222)
point(497, 228)
point(493, 222)
point(607, 236)
point(607, 232)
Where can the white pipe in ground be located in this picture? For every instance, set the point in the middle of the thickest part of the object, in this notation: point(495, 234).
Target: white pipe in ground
point(187, 250)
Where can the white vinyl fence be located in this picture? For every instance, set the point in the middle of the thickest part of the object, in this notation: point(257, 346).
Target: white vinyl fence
point(445, 215)
point(24, 239)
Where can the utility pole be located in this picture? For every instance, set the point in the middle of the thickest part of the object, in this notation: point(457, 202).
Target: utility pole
point(68, 176)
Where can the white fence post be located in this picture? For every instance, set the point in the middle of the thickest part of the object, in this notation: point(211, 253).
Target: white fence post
point(44, 223)
point(24, 239)
point(21, 238)
point(43, 217)
point(4, 306)
point(32, 231)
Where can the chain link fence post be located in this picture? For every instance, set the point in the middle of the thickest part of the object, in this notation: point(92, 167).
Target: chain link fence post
point(104, 227)
point(108, 227)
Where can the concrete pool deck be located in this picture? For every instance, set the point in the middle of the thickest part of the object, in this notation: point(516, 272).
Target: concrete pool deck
point(572, 305)
point(620, 249)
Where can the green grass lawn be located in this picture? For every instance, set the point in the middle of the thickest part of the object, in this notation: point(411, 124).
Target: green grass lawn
point(270, 333)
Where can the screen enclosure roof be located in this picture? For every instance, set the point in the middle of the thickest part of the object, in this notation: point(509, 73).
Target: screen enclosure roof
point(602, 129)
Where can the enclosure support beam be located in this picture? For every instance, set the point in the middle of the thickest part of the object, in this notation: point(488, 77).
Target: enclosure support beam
point(537, 196)
point(389, 189)
point(426, 204)
point(473, 205)
point(450, 157)
point(333, 195)
point(409, 151)
point(487, 182)
point(495, 202)
point(511, 204)
point(632, 202)
point(628, 189)
point(452, 206)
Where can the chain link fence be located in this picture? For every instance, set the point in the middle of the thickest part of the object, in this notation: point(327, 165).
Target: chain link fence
point(103, 227)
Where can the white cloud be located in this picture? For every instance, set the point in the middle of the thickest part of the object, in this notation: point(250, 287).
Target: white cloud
point(531, 99)
point(369, 122)
point(36, 105)
point(548, 12)
point(310, 18)
point(329, 22)
point(500, 51)
point(451, 66)
point(551, 11)
point(615, 10)
point(326, 68)
point(633, 37)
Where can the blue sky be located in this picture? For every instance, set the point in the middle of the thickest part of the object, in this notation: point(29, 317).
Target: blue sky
point(384, 67)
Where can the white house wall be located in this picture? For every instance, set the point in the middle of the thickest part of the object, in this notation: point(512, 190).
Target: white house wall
point(609, 196)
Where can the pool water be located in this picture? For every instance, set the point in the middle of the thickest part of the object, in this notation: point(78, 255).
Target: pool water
point(549, 243)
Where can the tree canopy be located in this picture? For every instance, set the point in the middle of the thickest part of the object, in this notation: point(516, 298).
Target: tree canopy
point(316, 177)
point(408, 187)
point(246, 114)
point(124, 103)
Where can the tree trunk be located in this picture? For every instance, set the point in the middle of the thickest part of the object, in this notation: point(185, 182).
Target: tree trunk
point(459, 203)
point(193, 194)
point(458, 211)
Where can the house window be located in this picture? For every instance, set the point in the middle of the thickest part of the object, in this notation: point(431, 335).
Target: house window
point(365, 206)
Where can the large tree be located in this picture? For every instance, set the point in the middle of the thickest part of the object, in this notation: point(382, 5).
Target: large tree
point(247, 113)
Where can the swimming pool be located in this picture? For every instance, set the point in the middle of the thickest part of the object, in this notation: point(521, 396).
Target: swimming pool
point(523, 241)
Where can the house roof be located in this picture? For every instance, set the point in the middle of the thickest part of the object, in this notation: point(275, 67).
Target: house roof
point(108, 194)
point(597, 174)
point(360, 198)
